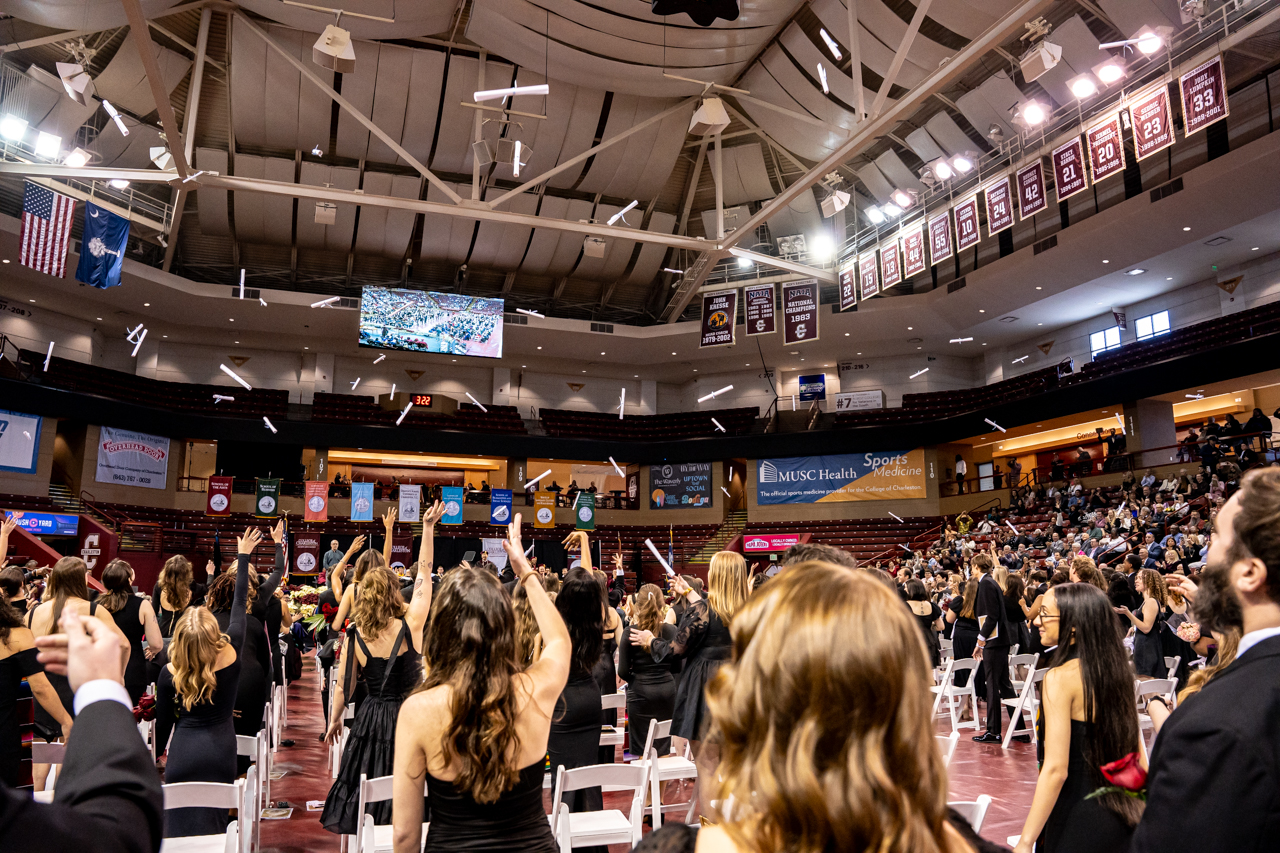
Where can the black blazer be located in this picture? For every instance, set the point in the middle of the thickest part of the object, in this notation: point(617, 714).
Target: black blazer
point(990, 603)
point(108, 796)
point(1215, 773)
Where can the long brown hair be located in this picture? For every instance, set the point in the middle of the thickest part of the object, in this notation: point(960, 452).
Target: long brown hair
point(193, 653)
point(470, 645)
point(370, 559)
point(175, 582)
point(66, 580)
point(117, 578)
point(727, 584)
point(1087, 570)
point(222, 591)
point(526, 624)
point(648, 608)
point(967, 610)
point(824, 720)
point(1153, 583)
point(379, 602)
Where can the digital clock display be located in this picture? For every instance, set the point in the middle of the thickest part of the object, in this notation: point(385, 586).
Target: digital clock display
point(422, 400)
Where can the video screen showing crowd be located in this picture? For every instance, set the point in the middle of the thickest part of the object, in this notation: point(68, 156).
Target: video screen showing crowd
point(422, 321)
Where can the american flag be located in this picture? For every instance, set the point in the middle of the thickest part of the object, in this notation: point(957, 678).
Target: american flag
point(46, 229)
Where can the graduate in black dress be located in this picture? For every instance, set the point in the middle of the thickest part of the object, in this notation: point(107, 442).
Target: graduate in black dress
point(136, 618)
point(651, 685)
point(18, 661)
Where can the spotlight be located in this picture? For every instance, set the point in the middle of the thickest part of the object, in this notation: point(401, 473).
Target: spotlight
point(1110, 71)
point(942, 170)
point(1034, 113)
point(831, 43)
point(904, 198)
point(48, 145)
point(161, 157)
point(12, 127)
point(76, 158)
point(995, 133)
point(874, 215)
point(116, 117)
point(1082, 86)
point(963, 163)
point(891, 209)
point(710, 118)
point(333, 50)
point(822, 248)
point(745, 263)
point(76, 81)
point(502, 94)
point(1149, 42)
point(118, 183)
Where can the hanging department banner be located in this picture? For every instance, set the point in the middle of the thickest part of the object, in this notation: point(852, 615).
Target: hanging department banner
point(913, 250)
point(218, 497)
point(940, 247)
point(999, 206)
point(362, 501)
point(1151, 117)
point(584, 513)
point(129, 458)
point(1032, 197)
point(967, 231)
point(410, 502)
point(316, 501)
point(868, 278)
point(306, 553)
point(757, 307)
point(1068, 168)
point(847, 281)
point(890, 264)
point(1204, 96)
point(266, 499)
point(500, 506)
point(800, 312)
point(452, 497)
point(885, 475)
point(19, 441)
point(544, 509)
point(1106, 147)
point(684, 485)
point(719, 315)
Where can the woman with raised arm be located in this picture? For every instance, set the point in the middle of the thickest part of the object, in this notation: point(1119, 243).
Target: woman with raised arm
point(384, 645)
point(327, 607)
point(196, 698)
point(266, 606)
point(136, 619)
point(367, 560)
point(476, 731)
point(651, 686)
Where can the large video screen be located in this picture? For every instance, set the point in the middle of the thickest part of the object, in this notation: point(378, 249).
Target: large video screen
point(421, 321)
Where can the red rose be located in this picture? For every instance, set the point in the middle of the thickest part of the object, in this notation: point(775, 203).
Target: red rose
point(1126, 773)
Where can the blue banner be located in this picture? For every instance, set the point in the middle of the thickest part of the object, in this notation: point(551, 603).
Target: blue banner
point(102, 247)
point(452, 497)
point(883, 475)
point(813, 387)
point(500, 506)
point(362, 501)
point(46, 523)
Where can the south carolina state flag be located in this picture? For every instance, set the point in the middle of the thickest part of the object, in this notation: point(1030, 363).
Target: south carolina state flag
point(102, 247)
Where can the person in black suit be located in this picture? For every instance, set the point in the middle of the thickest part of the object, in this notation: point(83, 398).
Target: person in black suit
point(1215, 773)
point(108, 797)
point(993, 646)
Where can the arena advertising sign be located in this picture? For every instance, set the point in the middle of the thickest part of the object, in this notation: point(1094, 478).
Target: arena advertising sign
point(761, 542)
point(46, 523)
point(813, 387)
point(633, 489)
point(800, 312)
point(316, 501)
point(852, 401)
point(685, 485)
point(218, 498)
point(362, 501)
point(266, 499)
point(868, 279)
point(1106, 147)
point(500, 506)
point(999, 206)
point(940, 247)
point(128, 458)
point(1068, 168)
point(883, 475)
point(306, 553)
point(967, 232)
point(544, 509)
point(1032, 197)
point(19, 442)
point(1150, 116)
point(847, 279)
point(757, 305)
point(719, 314)
point(1204, 95)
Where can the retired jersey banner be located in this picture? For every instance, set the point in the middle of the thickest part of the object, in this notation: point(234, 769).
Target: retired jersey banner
point(999, 206)
point(1152, 122)
point(967, 232)
point(500, 506)
point(306, 553)
point(1106, 147)
point(1068, 168)
point(800, 312)
point(266, 500)
point(913, 250)
point(218, 498)
point(940, 247)
point(544, 509)
point(884, 475)
point(868, 275)
point(584, 512)
point(128, 458)
point(362, 501)
point(410, 502)
point(452, 497)
point(847, 281)
point(757, 306)
point(1204, 95)
point(719, 314)
point(316, 502)
point(1032, 197)
point(890, 264)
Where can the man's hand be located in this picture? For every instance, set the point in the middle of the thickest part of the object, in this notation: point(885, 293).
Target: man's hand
point(1184, 585)
point(87, 650)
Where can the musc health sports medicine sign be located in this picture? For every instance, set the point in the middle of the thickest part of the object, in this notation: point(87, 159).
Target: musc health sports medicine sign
point(883, 475)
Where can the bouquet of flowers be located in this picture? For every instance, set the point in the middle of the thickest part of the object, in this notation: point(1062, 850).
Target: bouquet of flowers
point(1126, 776)
point(304, 602)
point(1188, 631)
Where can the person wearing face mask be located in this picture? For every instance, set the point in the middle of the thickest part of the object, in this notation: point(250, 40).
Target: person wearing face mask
point(1215, 770)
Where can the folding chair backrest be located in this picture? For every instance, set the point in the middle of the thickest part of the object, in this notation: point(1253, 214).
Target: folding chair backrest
point(204, 795)
point(609, 701)
point(1028, 660)
point(47, 753)
point(610, 777)
point(974, 812)
point(964, 664)
point(1156, 687)
point(377, 789)
point(246, 745)
point(947, 745)
point(658, 729)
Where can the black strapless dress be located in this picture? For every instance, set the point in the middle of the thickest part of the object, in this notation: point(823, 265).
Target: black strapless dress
point(1077, 825)
point(515, 823)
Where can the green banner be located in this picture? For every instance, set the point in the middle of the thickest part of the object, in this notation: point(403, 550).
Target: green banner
point(584, 512)
point(266, 501)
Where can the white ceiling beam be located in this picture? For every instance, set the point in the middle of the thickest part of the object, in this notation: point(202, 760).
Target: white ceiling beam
point(900, 56)
point(855, 59)
point(189, 134)
point(147, 52)
point(804, 117)
point(805, 270)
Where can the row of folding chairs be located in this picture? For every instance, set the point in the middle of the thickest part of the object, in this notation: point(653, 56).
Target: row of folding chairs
point(241, 835)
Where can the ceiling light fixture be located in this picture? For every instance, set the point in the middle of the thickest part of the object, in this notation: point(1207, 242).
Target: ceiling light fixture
point(822, 248)
point(118, 183)
point(874, 215)
point(963, 163)
point(1137, 271)
point(116, 117)
point(891, 209)
point(1034, 113)
point(1110, 71)
point(12, 127)
point(743, 263)
point(76, 158)
point(904, 198)
point(48, 145)
point(1082, 86)
point(76, 81)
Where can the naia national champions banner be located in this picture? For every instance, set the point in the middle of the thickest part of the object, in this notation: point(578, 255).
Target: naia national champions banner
point(884, 475)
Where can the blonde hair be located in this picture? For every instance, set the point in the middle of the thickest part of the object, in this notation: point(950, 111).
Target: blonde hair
point(824, 720)
point(1000, 574)
point(1226, 654)
point(379, 602)
point(648, 608)
point(526, 623)
point(197, 640)
point(727, 586)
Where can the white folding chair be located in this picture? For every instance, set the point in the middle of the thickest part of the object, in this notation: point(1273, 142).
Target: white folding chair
point(1028, 661)
point(256, 749)
point(947, 746)
point(953, 694)
point(607, 826)
point(946, 648)
point(213, 795)
point(1171, 665)
point(613, 735)
point(1165, 688)
point(374, 837)
point(1022, 720)
point(48, 753)
point(667, 768)
point(975, 812)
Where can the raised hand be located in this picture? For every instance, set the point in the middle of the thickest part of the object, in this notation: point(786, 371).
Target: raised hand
point(249, 542)
point(389, 518)
point(277, 532)
point(433, 514)
point(356, 544)
point(515, 550)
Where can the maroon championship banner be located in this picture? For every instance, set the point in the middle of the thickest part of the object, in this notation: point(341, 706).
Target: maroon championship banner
point(967, 231)
point(800, 311)
point(306, 553)
point(999, 206)
point(757, 305)
point(1204, 95)
point(868, 279)
point(1068, 168)
point(719, 315)
point(218, 497)
point(1032, 197)
point(1152, 122)
point(890, 264)
point(1106, 147)
point(913, 250)
point(316, 501)
point(847, 279)
point(940, 247)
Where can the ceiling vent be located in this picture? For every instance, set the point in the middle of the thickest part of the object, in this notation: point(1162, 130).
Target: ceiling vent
point(1168, 189)
point(1045, 244)
point(1217, 241)
point(515, 319)
point(1009, 319)
point(249, 292)
point(603, 328)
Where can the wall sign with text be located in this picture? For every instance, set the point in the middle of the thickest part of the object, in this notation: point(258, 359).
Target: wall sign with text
point(940, 247)
point(719, 315)
point(890, 264)
point(967, 231)
point(1150, 116)
point(1106, 147)
point(868, 274)
point(800, 311)
point(913, 250)
point(847, 281)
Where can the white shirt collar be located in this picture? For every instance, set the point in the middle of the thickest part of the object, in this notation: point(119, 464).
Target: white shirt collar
point(1252, 639)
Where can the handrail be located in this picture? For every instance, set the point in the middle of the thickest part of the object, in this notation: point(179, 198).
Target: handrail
point(911, 542)
point(1183, 511)
point(1182, 448)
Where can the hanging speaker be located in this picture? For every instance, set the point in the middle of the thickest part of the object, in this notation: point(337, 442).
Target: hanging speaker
point(506, 151)
point(482, 152)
